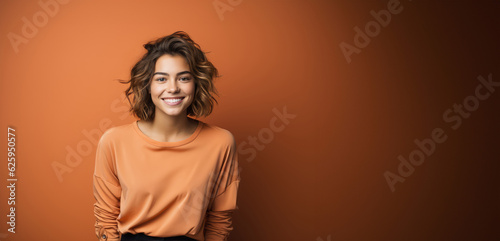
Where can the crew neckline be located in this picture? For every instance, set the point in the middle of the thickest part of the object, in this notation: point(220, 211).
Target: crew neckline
point(168, 144)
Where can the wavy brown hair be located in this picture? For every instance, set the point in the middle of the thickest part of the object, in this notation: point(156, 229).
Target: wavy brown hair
point(178, 43)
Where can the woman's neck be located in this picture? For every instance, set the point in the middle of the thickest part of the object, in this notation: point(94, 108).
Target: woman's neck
point(169, 128)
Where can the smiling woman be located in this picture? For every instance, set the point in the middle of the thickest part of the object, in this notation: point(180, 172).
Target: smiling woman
point(167, 175)
point(173, 85)
point(155, 62)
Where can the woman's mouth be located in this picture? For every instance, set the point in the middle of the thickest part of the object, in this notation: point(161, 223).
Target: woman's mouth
point(173, 101)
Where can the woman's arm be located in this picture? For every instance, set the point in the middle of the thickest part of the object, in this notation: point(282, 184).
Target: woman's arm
point(219, 224)
point(107, 192)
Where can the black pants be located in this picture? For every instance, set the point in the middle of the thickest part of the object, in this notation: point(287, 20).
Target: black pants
point(143, 237)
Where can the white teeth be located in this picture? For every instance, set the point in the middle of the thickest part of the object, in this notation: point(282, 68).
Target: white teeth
point(173, 100)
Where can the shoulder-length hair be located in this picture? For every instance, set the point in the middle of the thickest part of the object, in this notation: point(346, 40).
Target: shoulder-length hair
point(178, 43)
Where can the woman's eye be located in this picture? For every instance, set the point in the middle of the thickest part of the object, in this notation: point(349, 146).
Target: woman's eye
point(160, 79)
point(185, 78)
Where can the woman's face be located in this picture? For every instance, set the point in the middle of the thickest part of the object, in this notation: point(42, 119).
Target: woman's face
point(172, 85)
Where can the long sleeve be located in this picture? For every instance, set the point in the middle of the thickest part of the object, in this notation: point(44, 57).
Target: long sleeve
point(219, 223)
point(107, 192)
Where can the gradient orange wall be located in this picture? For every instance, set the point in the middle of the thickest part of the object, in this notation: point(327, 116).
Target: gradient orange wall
point(318, 175)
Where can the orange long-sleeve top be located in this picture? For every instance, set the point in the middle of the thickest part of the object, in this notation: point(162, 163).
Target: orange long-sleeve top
point(165, 189)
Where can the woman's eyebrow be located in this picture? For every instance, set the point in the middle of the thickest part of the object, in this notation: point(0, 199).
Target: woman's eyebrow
point(183, 72)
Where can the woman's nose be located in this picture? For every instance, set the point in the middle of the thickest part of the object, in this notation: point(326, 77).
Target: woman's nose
point(172, 86)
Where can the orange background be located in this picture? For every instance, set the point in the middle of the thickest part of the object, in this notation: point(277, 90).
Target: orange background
point(321, 177)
